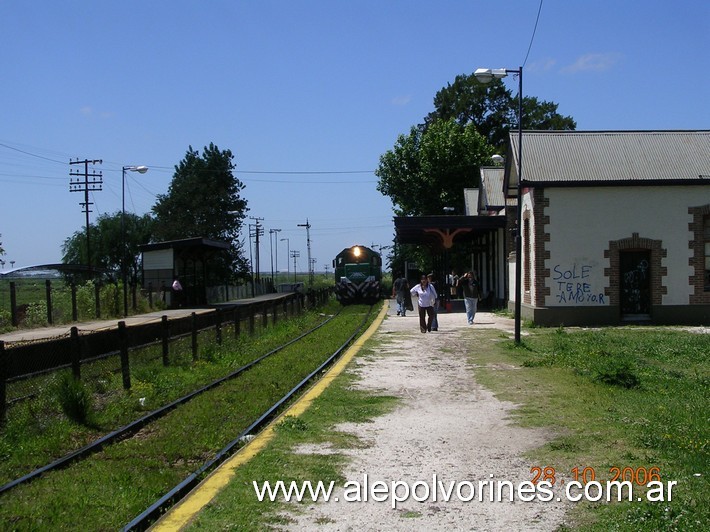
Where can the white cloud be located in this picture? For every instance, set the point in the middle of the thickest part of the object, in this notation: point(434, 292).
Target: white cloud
point(90, 112)
point(401, 100)
point(593, 62)
point(543, 65)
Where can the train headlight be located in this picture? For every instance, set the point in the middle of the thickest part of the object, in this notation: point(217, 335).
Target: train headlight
point(356, 251)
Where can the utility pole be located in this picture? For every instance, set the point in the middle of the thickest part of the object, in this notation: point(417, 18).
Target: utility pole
point(313, 267)
point(258, 231)
point(86, 186)
point(294, 255)
point(307, 225)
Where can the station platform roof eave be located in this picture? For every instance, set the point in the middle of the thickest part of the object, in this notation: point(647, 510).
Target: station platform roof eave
point(444, 231)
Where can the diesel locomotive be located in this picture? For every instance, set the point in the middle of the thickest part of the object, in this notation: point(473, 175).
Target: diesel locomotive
point(358, 274)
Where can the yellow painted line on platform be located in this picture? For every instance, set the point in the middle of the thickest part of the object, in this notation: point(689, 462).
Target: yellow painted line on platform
point(181, 514)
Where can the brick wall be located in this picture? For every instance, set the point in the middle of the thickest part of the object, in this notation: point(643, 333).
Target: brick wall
point(697, 260)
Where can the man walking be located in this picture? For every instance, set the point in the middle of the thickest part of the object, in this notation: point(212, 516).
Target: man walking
point(470, 289)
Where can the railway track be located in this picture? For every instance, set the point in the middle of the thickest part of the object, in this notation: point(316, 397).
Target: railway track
point(143, 425)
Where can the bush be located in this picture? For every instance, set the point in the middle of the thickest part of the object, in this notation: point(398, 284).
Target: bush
point(74, 398)
point(36, 314)
point(616, 370)
point(5, 321)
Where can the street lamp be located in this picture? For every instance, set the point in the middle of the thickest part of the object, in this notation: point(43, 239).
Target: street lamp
point(485, 75)
point(271, 249)
point(124, 273)
point(288, 254)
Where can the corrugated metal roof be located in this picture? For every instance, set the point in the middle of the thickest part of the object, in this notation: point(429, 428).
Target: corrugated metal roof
point(492, 187)
point(557, 157)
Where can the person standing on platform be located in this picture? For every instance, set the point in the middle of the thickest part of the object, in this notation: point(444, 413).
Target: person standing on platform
point(177, 292)
point(400, 290)
point(435, 286)
point(426, 299)
point(470, 289)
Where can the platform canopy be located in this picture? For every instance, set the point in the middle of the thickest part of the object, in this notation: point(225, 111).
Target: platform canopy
point(441, 232)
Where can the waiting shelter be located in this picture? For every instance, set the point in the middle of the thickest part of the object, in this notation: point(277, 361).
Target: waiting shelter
point(191, 260)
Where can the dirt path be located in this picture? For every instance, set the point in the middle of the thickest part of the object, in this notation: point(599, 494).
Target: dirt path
point(447, 425)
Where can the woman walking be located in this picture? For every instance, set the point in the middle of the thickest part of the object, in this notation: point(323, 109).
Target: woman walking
point(426, 299)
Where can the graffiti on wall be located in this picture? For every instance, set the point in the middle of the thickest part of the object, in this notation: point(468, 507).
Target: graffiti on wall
point(574, 285)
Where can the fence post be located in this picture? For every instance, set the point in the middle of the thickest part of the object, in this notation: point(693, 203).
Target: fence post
point(150, 295)
point(274, 310)
point(251, 319)
point(13, 304)
point(48, 291)
point(4, 359)
point(166, 340)
point(123, 341)
point(74, 310)
point(97, 298)
point(264, 315)
point(194, 336)
point(75, 353)
point(237, 322)
point(218, 327)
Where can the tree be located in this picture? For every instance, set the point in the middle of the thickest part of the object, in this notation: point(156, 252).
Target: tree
point(428, 169)
point(108, 241)
point(204, 201)
point(493, 109)
point(2, 251)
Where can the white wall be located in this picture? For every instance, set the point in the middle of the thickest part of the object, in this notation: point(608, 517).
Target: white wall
point(583, 221)
point(159, 259)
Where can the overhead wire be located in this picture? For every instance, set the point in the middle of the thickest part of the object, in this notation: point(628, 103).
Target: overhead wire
point(532, 38)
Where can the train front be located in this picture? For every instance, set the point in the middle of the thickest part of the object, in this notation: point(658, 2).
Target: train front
point(358, 272)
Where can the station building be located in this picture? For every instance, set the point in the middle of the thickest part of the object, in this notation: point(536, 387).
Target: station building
point(615, 227)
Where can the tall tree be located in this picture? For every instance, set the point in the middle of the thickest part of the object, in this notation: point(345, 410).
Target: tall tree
point(204, 201)
point(109, 238)
point(493, 109)
point(428, 169)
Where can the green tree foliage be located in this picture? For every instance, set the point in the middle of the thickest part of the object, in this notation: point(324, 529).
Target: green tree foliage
point(493, 109)
point(428, 169)
point(204, 201)
point(107, 241)
point(2, 251)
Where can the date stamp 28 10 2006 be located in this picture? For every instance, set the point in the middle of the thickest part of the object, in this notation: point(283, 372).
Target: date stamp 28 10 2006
point(583, 483)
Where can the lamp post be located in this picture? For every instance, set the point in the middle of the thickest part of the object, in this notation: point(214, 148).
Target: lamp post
point(124, 273)
point(288, 254)
point(271, 249)
point(486, 75)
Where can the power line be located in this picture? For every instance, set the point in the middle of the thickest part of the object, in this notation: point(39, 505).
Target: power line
point(532, 38)
point(32, 154)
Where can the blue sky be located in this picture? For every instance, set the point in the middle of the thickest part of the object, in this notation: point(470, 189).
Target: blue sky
point(302, 86)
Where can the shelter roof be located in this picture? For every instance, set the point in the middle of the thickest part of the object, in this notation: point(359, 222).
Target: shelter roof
point(196, 242)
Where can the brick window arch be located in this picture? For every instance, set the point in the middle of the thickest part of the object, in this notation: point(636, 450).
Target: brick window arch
point(613, 272)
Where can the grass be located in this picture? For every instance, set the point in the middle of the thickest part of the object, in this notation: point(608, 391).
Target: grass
point(237, 507)
point(609, 398)
point(38, 429)
point(630, 397)
point(111, 487)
